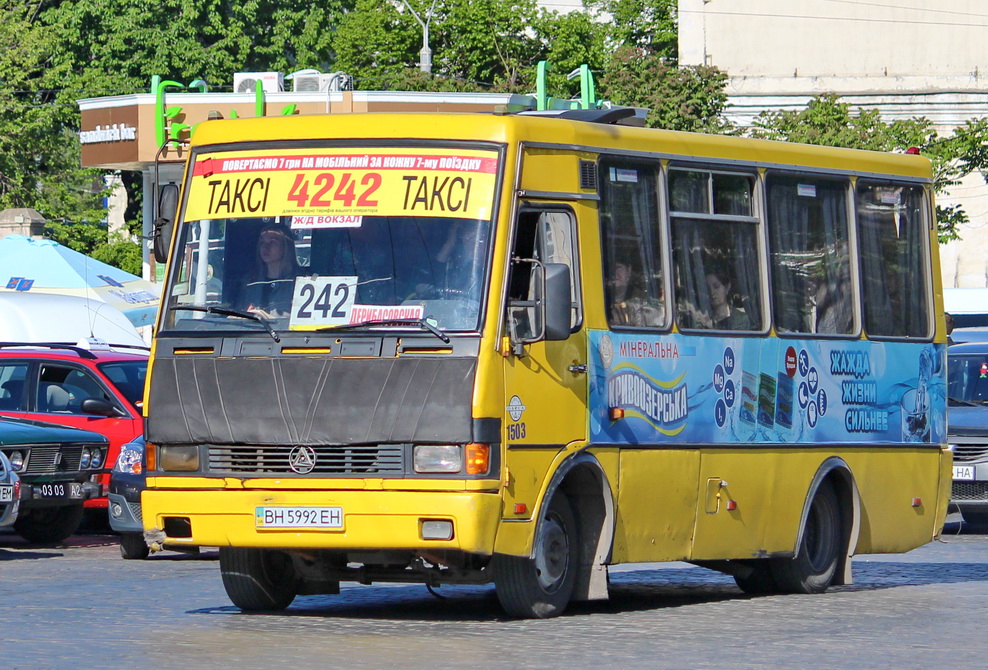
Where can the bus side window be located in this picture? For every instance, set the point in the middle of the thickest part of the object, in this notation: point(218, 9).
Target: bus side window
point(809, 254)
point(716, 256)
point(547, 236)
point(634, 287)
point(892, 239)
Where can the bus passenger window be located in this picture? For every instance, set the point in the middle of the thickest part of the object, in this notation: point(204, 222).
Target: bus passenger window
point(893, 234)
point(715, 255)
point(634, 287)
point(809, 254)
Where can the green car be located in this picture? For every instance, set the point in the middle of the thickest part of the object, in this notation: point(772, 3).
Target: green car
point(57, 467)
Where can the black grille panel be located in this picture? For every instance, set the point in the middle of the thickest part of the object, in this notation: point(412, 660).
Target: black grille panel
point(970, 491)
point(588, 174)
point(383, 459)
point(44, 459)
point(970, 452)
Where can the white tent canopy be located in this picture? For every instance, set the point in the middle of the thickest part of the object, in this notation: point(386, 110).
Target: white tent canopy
point(45, 317)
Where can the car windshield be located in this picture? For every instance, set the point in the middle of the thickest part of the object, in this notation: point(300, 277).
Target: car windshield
point(289, 240)
point(128, 377)
point(967, 378)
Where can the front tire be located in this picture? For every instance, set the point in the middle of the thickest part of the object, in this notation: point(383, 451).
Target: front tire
point(813, 568)
point(48, 525)
point(258, 579)
point(541, 586)
point(133, 546)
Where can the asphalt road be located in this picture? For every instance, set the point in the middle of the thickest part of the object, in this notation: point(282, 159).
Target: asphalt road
point(79, 605)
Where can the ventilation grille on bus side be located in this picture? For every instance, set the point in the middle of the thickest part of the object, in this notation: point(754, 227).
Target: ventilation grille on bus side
point(588, 175)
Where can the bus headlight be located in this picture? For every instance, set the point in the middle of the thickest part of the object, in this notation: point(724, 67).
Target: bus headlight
point(437, 458)
point(178, 458)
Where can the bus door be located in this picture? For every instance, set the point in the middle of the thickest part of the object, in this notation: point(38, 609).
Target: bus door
point(545, 373)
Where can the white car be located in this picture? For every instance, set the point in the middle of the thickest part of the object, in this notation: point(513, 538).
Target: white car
point(10, 492)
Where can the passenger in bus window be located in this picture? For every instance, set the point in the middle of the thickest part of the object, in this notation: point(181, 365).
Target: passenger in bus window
point(725, 312)
point(830, 306)
point(628, 304)
point(270, 286)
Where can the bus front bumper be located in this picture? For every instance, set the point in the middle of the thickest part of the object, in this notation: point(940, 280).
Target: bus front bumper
point(355, 520)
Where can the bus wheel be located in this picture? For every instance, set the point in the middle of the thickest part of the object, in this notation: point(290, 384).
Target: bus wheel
point(812, 570)
point(541, 586)
point(760, 580)
point(258, 579)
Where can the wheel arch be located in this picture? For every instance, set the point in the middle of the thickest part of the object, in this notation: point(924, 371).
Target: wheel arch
point(839, 474)
point(584, 482)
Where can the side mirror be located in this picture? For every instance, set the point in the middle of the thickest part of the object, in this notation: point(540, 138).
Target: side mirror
point(164, 221)
point(99, 407)
point(558, 302)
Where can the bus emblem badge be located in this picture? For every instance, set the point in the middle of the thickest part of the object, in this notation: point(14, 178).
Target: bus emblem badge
point(515, 408)
point(302, 460)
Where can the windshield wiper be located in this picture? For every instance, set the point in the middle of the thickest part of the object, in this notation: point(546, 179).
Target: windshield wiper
point(225, 311)
point(422, 323)
point(966, 403)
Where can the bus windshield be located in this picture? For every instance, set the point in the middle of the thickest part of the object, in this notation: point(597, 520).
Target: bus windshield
point(312, 246)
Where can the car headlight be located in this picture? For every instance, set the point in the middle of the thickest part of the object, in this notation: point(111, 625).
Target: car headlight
point(17, 461)
point(97, 461)
point(130, 460)
point(437, 458)
point(173, 458)
point(86, 456)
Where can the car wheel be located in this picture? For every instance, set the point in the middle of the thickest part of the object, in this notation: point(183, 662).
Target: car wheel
point(132, 545)
point(258, 579)
point(541, 586)
point(49, 524)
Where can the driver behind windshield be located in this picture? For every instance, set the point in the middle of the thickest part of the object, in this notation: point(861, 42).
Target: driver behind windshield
point(269, 287)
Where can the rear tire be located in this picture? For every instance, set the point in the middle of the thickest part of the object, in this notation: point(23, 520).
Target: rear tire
point(258, 579)
point(760, 581)
point(48, 525)
point(813, 568)
point(133, 546)
point(541, 587)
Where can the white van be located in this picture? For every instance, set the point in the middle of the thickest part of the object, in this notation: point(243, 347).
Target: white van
point(43, 317)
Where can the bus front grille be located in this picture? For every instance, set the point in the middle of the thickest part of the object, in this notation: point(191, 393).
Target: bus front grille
point(381, 459)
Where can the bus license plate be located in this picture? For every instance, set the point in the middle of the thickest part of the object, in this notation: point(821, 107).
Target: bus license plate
point(330, 518)
point(964, 473)
point(6, 493)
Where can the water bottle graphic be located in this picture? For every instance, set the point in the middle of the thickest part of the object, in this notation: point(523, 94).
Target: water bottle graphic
point(915, 403)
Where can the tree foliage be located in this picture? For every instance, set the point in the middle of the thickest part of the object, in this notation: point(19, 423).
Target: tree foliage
point(830, 122)
point(645, 24)
point(678, 98)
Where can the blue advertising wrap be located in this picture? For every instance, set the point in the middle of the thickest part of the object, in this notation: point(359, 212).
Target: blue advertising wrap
point(676, 389)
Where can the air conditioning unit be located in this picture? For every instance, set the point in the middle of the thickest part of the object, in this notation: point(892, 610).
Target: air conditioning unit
point(246, 82)
point(320, 81)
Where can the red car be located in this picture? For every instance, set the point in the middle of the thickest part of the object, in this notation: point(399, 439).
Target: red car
point(92, 386)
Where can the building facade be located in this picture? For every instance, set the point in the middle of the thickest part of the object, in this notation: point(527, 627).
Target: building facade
point(906, 58)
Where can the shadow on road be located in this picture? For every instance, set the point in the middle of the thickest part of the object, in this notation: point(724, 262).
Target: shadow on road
point(630, 591)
